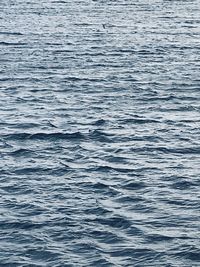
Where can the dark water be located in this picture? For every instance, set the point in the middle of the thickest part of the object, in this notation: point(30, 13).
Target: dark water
point(99, 133)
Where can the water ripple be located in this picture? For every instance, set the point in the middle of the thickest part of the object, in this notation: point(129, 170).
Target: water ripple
point(99, 133)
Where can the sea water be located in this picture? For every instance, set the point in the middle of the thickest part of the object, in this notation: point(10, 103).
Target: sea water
point(99, 133)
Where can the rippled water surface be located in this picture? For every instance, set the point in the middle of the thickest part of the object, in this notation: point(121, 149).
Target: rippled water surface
point(99, 133)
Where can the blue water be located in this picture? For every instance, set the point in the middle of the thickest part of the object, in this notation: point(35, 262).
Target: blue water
point(99, 133)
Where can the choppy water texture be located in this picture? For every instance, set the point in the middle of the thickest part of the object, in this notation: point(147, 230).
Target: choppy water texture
point(99, 133)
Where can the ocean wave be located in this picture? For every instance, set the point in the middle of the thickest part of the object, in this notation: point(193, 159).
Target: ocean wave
point(99, 133)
